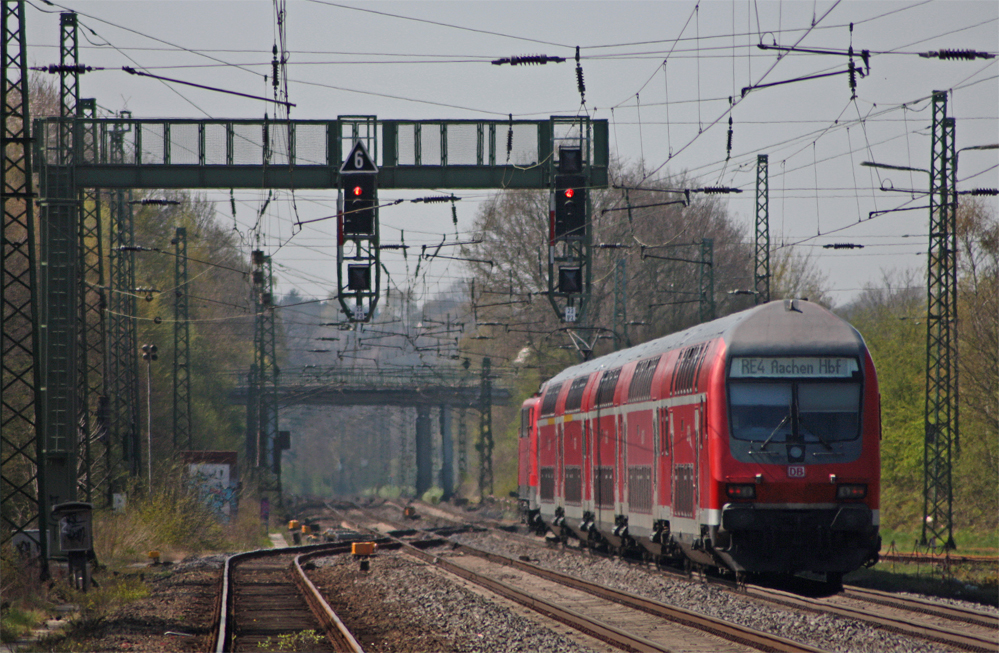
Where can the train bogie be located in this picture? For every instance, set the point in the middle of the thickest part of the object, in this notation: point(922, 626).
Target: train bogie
point(750, 443)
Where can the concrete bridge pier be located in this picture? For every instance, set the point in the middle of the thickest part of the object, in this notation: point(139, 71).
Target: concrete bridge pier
point(424, 451)
point(447, 453)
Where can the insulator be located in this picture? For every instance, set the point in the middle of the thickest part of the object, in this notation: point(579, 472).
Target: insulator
point(579, 81)
point(728, 151)
point(274, 72)
point(957, 54)
point(509, 139)
point(158, 202)
point(54, 68)
point(714, 190)
point(441, 198)
point(985, 191)
point(531, 59)
point(853, 78)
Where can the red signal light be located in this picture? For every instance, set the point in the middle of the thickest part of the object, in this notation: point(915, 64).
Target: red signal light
point(569, 193)
point(357, 191)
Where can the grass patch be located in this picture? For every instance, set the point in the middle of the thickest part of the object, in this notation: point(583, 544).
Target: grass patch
point(306, 640)
point(17, 622)
point(966, 582)
point(175, 522)
point(968, 542)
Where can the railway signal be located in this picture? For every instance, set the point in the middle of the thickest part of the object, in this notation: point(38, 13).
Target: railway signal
point(357, 235)
point(570, 207)
point(568, 236)
point(360, 201)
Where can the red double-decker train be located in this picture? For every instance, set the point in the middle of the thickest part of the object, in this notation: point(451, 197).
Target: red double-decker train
point(749, 443)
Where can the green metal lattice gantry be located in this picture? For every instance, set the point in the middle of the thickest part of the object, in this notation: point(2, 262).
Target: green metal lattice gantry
point(120, 154)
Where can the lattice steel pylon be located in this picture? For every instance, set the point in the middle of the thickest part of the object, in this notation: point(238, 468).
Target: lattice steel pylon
point(22, 476)
point(77, 139)
point(182, 432)
point(761, 274)
point(95, 452)
point(621, 338)
point(485, 444)
point(122, 366)
point(265, 348)
point(941, 416)
point(59, 283)
point(706, 281)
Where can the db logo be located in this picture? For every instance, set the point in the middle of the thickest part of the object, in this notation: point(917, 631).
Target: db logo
point(796, 471)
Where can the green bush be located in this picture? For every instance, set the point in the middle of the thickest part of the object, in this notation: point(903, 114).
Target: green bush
point(433, 496)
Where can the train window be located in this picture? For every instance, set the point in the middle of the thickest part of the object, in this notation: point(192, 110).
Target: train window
point(760, 410)
point(551, 396)
point(641, 381)
point(608, 383)
point(829, 411)
point(574, 400)
point(687, 368)
point(664, 431)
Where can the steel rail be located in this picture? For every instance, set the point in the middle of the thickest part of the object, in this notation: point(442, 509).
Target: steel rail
point(222, 634)
point(732, 632)
point(605, 632)
point(945, 559)
point(910, 628)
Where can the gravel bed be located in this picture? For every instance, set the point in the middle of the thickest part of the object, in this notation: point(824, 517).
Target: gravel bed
point(828, 632)
point(403, 606)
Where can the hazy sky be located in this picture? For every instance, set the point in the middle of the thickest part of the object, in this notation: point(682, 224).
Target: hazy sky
point(661, 72)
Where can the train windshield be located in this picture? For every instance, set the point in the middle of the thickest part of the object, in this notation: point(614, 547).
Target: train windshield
point(828, 411)
point(802, 411)
point(760, 411)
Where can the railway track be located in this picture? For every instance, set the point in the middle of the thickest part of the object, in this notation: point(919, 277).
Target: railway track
point(623, 620)
point(960, 628)
point(265, 595)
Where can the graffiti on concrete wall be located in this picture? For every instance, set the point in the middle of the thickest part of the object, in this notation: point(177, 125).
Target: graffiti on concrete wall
point(216, 488)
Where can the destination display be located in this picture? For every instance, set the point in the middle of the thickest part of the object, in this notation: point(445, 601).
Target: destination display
point(751, 367)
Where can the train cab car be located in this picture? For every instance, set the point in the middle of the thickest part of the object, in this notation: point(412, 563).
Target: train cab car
point(797, 479)
point(749, 443)
point(527, 460)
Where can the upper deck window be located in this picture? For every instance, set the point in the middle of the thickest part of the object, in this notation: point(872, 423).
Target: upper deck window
point(574, 400)
point(641, 381)
point(551, 396)
point(608, 384)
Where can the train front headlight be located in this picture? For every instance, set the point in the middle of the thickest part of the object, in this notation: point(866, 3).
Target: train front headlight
point(851, 491)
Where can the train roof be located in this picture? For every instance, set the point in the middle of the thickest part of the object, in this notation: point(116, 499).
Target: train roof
point(778, 328)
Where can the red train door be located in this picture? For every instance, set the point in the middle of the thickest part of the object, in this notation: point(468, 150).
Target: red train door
point(587, 470)
point(701, 466)
point(622, 461)
point(560, 464)
point(685, 462)
point(662, 463)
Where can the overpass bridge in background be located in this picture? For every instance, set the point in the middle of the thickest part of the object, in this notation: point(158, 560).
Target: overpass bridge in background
point(420, 388)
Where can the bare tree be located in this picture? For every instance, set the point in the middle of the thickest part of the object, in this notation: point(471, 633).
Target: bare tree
point(652, 230)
